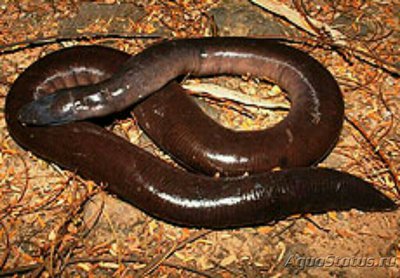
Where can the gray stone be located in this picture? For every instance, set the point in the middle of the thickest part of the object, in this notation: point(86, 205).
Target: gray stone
point(118, 17)
point(241, 18)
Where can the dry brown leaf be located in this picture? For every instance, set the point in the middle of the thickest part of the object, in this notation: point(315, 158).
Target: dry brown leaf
point(228, 260)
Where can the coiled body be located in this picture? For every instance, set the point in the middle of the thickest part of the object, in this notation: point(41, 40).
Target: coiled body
point(305, 136)
point(309, 131)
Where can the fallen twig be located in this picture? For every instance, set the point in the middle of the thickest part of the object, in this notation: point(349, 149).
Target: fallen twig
point(128, 259)
point(22, 45)
point(223, 93)
point(376, 150)
point(160, 259)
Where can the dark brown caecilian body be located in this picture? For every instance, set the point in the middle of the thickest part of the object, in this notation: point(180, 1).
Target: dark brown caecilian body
point(309, 131)
point(169, 193)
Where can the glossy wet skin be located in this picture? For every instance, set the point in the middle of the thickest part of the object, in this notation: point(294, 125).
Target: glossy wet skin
point(153, 186)
point(306, 135)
